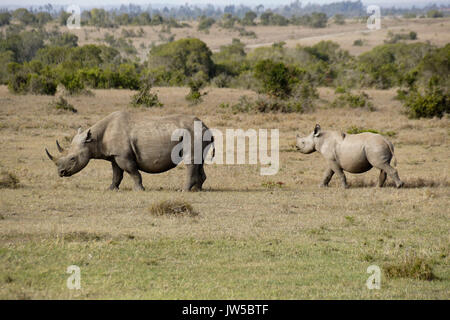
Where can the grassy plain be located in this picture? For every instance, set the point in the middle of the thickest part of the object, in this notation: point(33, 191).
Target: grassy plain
point(255, 237)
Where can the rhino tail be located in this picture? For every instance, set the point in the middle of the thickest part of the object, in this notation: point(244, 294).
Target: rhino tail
point(391, 148)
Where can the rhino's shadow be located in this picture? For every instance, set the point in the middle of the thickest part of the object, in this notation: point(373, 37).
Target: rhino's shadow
point(410, 183)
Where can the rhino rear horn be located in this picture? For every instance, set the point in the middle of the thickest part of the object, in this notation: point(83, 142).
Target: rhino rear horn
point(49, 155)
point(61, 150)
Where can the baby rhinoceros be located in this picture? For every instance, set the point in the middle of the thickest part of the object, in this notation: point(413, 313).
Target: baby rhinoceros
point(137, 142)
point(354, 153)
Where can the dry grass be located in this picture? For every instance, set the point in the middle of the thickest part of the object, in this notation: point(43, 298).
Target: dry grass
point(172, 208)
point(257, 237)
point(264, 237)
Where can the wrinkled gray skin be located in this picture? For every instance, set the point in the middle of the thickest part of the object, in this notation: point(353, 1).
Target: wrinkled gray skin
point(132, 143)
point(354, 153)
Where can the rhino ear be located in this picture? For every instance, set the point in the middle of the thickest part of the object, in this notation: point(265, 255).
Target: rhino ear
point(88, 137)
point(317, 130)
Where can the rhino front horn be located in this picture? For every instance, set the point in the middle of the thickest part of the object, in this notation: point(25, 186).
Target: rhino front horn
point(49, 155)
point(61, 150)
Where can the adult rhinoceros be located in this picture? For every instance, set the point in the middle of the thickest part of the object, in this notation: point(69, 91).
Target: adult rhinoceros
point(354, 153)
point(133, 143)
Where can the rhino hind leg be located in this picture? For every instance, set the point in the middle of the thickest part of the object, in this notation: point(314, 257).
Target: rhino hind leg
point(392, 173)
point(382, 178)
point(195, 177)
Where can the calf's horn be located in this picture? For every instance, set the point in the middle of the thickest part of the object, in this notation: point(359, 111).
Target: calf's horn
point(61, 150)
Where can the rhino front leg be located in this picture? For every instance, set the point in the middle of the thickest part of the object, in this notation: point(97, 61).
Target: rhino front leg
point(327, 177)
point(338, 170)
point(117, 176)
point(131, 168)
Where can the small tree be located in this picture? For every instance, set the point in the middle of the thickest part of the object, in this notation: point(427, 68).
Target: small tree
point(196, 83)
point(277, 79)
point(144, 97)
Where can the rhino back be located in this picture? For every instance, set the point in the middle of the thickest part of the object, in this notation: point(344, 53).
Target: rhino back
point(359, 152)
point(150, 139)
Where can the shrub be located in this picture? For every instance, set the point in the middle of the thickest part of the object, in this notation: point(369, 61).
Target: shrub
point(277, 78)
point(221, 81)
point(205, 23)
point(245, 33)
point(318, 20)
point(434, 102)
point(65, 39)
point(72, 82)
point(435, 14)
point(8, 180)
point(356, 130)
point(269, 18)
point(348, 99)
point(144, 97)
point(41, 84)
point(19, 79)
point(231, 59)
point(358, 42)
point(249, 18)
point(339, 19)
point(61, 104)
point(394, 38)
point(172, 208)
point(196, 83)
point(5, 18)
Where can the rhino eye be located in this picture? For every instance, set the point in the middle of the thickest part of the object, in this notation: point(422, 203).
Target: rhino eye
point(72, 159)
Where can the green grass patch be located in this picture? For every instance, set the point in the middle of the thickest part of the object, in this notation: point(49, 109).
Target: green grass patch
point(410, 267)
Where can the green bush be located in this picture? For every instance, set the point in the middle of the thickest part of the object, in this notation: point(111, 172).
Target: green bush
point(356, 130)
point(339, 19)
point(72, 82)
point(435, 14)
point(385, 66)
point(277, 79)
point(249, 19)
point(5, 18)
point(395, 37)
point(269, 18)
point(61, 104)
point(434, 102)
point(144, 97)
point(231, 59)
point(196, 83)
point(205, 23)
point(350, 100)
point(43, 85)
point(358, 42)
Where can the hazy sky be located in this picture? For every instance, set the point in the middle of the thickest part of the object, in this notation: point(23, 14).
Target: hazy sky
point(100, 3)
